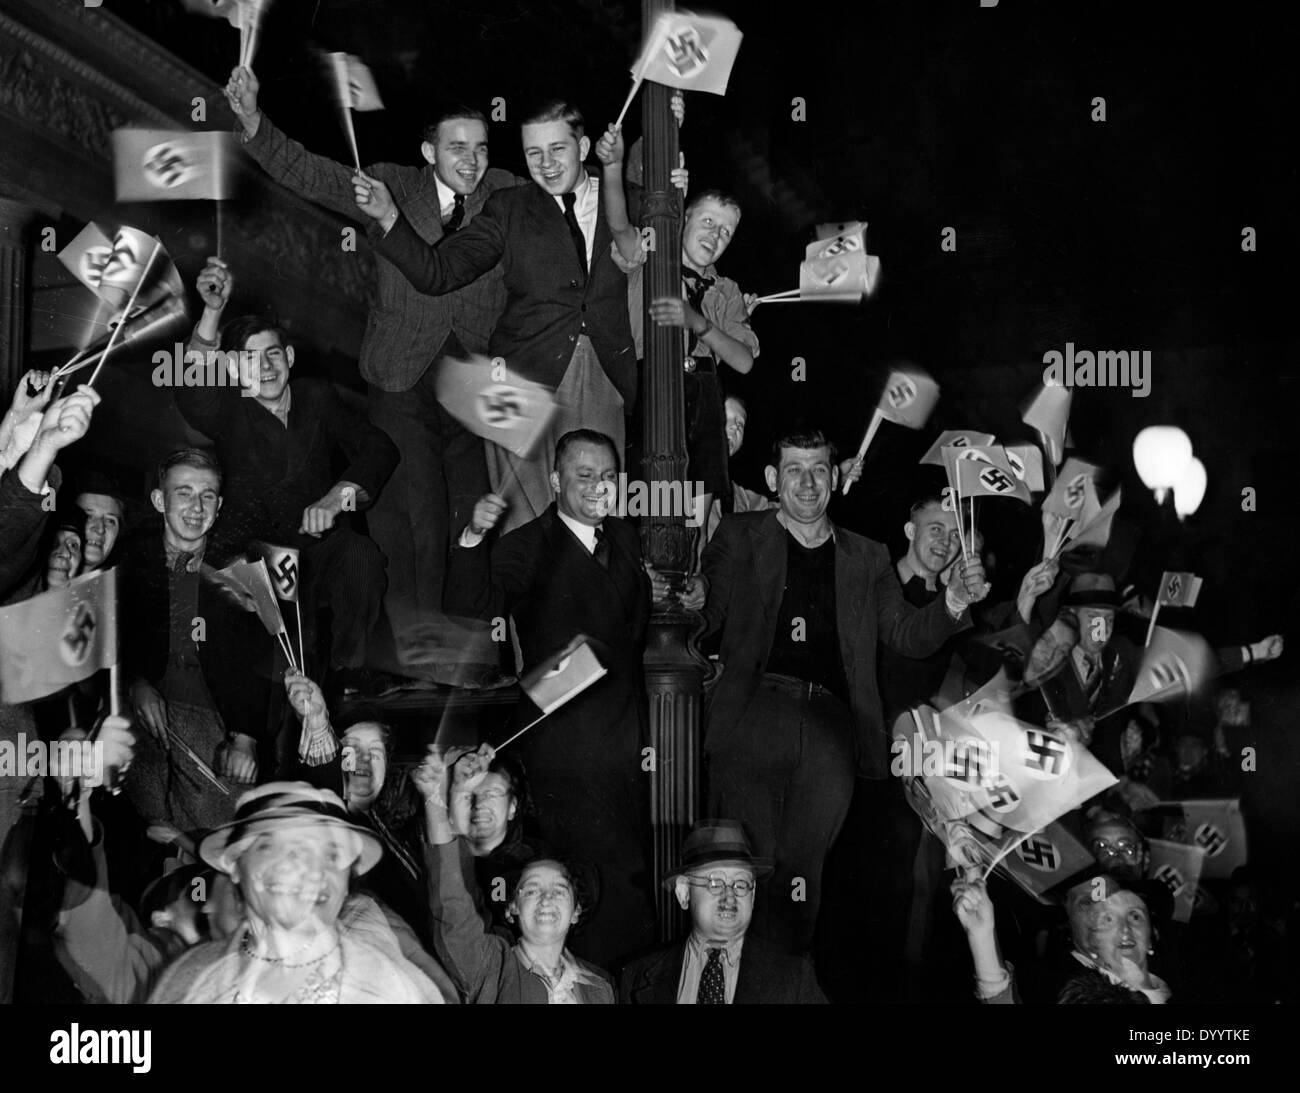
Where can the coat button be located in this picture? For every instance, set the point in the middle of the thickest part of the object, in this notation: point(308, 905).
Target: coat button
point(584, 307)
point(573, 284)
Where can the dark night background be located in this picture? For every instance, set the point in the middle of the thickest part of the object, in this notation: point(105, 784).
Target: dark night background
point(1122, 234)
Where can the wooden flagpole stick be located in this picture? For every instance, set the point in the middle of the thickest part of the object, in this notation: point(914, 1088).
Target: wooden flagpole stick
point(1060, 538)
point(520, 732)
point(636, 86)
point(972, 521)
point(127, 311)
point(778, 295)
point(818, 298)
point(302, 656)
point(1155, 613)
point(203, 768)
point(872, 429)
point(961, 532)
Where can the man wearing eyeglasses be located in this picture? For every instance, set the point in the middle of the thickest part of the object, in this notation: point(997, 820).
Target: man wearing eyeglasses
point(717, 964)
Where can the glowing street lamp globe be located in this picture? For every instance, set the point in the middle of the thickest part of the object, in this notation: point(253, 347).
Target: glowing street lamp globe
point(1189, 491)
point(1162, 454)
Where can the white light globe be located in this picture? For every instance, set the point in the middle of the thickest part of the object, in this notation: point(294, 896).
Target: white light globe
point(1189, 491)
point(1162, 454)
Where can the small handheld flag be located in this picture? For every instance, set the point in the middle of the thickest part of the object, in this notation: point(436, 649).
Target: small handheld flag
point(558, 679)
point(159, 165)
point(490, 402)
point(686, 51)
point(908, 399)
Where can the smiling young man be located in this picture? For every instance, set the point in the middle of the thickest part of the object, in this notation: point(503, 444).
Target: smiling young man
point(565, 323)
point(278, 442)
point(188, 656)
point(801, 608)
point(443, 468)
point(575, 570)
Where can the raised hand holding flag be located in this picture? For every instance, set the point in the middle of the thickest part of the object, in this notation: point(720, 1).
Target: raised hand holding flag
point(686, 51)
point(908, 399)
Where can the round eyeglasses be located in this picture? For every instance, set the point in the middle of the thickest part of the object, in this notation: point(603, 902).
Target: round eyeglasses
point(716, 885)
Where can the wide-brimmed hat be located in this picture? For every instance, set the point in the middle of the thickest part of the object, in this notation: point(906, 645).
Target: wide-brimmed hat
point(712, 842)
point(278, 806)
point(1092, 590)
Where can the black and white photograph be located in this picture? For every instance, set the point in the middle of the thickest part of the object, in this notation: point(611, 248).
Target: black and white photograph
point(593, 502)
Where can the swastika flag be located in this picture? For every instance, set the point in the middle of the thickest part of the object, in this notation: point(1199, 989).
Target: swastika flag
point(354, 85)
point(1216, 826)
point(1174, 663)
point(1074, 496)
point(953, 438)
point(990, 477)
point(282, 568)
point(690, 52)
point(839, 265)
point(1049, 414)
point(551, 684)
point(494, 403)
point(159, 165)
point(1179, 589)
point(908, 398)
point(58, 637)
point(1027, 461)
point(1178, 866)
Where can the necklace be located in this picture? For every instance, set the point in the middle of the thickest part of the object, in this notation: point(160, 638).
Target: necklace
point(246, 948)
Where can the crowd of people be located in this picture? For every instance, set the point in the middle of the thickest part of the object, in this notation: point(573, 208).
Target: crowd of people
point(235, 865)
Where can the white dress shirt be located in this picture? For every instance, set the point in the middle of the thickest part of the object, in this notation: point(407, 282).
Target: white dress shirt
point(586, 208)
point(446, 198)
point(585, 532)
point(694, 960)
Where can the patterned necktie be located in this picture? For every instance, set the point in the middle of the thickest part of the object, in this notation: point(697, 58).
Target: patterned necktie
point(455, 217)
point(579, 241)
point(182, 563)
point(713, 984)
point(601, 553)
point(1091, 679)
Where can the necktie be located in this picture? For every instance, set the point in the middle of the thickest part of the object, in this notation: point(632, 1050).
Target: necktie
point(456, 216)
point(579, 242)
point(1092, 679)
point(713, 984)
point(601, 553)
point(696, 286)
point(181, 565)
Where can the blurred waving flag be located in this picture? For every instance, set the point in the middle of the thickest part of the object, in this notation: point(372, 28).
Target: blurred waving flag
point(159, 165)
point(112, 267)
point(1174, 663)
point(838, 265)
point(953, 438)
point(353, 82)
point(1215, 825)
point(567, 674)
point(1178, 867)
point(1074, 496)
point(58, 637)
point(1048, 412)
point(1027, 463)
point(1096, 532)
point(908, 398)
point(491, 403)
point(690, 52)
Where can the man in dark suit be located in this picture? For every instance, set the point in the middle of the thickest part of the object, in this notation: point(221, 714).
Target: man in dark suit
point(198, 686)
point(718, 964)
point(565, 322)
point(577, 571)
point(801, 606)
point(443, 467)
point(277, 443)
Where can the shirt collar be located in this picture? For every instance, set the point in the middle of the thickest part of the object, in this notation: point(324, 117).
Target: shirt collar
point(780, 519)
point(1158, 993)
point(585, 532)
point(584, 193)
point(196, 557)
point(700, 947)
point(446, 195)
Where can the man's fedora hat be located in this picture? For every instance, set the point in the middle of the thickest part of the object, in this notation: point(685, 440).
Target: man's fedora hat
point(712, 842)
point(1092, 590)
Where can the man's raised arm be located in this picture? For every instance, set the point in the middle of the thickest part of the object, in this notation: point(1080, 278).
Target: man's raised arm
point(317, 178)
point(454, 262)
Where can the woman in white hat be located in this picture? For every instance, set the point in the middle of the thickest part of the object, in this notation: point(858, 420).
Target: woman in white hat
point(292, 850)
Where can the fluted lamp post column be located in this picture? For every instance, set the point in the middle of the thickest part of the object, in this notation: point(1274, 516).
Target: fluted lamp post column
point(674, 669)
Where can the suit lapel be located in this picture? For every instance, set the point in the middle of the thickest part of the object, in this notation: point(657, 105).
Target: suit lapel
point(852, 579)
point(770, 555)
point(661, 979)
